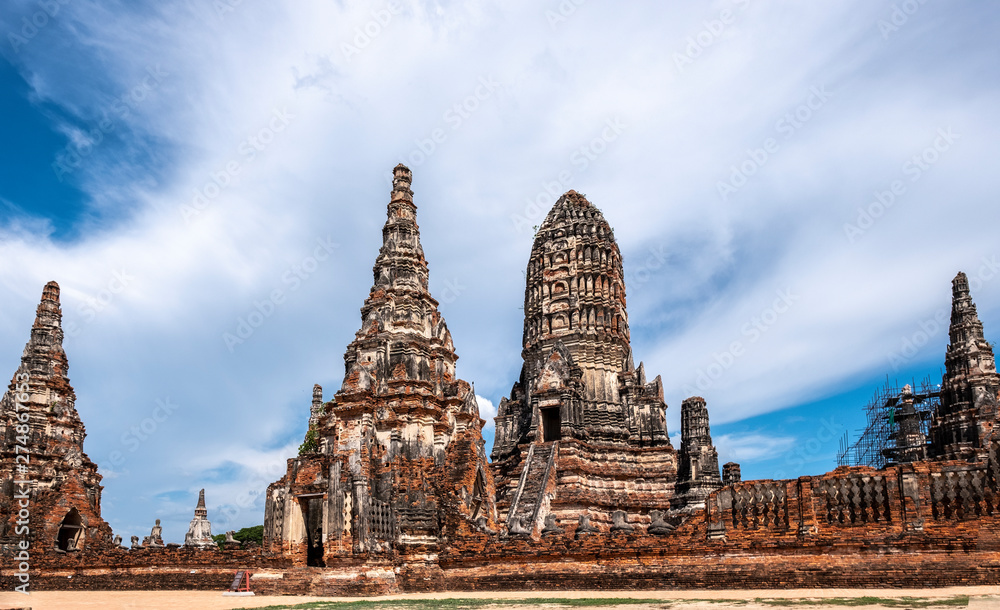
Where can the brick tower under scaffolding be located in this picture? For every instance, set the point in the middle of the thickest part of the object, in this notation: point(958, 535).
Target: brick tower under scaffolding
point(951, 421)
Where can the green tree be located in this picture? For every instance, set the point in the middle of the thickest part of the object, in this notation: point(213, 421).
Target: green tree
point(311, 442)
point(254, 533)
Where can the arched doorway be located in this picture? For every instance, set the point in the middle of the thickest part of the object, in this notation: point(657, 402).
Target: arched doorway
point(70, 536)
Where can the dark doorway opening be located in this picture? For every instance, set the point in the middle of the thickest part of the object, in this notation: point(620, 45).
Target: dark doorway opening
point(70, 532)
point(551, 424)
point(313, 517)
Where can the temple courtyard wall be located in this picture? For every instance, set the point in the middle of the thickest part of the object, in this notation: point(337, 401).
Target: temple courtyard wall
point(930, 524)
point(392, 491)
point(631, 566)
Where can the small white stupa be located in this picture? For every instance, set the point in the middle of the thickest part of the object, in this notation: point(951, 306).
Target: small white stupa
point(199, 533)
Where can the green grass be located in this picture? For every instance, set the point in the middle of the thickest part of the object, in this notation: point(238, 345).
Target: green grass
point(473, 604)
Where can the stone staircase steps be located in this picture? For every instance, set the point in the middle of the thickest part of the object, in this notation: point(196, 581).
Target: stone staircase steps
point(533, 483)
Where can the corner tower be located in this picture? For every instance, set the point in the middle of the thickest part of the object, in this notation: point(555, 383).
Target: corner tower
point(968, 411)
point(582, 424)
point(698, 472)
point(397, 457)
point(41, 449)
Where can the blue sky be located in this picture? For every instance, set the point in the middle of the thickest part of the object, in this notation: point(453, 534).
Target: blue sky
point(30, 142)
point(793, 187)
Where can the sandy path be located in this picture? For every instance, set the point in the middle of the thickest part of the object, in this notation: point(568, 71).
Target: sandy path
point(209, 600)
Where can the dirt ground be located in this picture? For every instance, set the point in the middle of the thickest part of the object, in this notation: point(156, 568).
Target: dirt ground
point(981, 597)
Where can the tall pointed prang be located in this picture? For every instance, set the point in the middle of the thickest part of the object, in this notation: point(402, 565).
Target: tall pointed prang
point(403, 435)
point(38, 417)
point(51, 400)
point(965, 419)
point(401, 263)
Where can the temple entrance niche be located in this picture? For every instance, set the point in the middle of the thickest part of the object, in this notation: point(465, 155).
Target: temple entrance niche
point(70, 536)
point(551, 424)
point(312, 513)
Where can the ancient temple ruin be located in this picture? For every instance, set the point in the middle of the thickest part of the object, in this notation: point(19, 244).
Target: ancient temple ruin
point(43, 468)
point(963, 425)
point(583, 433)
point(698, 472)
point(391, 490)
point(953, 420)
point(397, 457)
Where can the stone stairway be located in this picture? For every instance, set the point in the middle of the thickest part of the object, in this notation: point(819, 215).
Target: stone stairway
point(530, 489)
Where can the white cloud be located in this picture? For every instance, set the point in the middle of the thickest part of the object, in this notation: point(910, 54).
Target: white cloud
point(487, 411)
point(743, 448)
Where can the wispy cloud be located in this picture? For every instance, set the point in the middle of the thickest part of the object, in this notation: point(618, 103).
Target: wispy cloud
point(751, 447)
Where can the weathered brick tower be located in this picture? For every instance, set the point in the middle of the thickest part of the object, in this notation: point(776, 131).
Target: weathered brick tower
point(698, 471)
point(43, 469)
point(583, 433)
point(964, 422)
point(397, 457)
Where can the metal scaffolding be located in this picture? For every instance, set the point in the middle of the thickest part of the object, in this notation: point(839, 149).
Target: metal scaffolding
point(878, 439)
